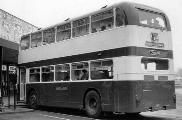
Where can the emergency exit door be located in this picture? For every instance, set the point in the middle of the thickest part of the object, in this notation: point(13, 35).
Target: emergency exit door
point(22, 83)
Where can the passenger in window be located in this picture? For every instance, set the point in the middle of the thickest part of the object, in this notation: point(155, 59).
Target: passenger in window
point(66, 76)
point(103, 28)
point(94, 30)
point(76, 75)
point(106, 74)
point(109, 26)
point(84, 75)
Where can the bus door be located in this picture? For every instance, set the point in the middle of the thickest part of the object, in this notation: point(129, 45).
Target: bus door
point(22, 83)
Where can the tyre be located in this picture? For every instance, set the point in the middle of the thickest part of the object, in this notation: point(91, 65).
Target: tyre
point(33, 100)
point(93, 104)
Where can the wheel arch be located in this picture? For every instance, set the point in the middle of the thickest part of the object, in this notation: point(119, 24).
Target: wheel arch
point(88, 90)
point(29, 92)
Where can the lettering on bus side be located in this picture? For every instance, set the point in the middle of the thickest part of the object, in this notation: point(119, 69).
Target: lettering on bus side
point(62, 88)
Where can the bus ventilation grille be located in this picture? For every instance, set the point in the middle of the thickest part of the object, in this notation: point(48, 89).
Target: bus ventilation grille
point(163, 78)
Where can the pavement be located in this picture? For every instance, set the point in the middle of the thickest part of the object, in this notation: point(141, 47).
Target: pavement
point(10, 108)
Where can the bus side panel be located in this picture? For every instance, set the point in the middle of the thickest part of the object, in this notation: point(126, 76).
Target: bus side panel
point(38, 88)
point(71, 94)
point(79, 89)
point(122, 96)
point(141, 96)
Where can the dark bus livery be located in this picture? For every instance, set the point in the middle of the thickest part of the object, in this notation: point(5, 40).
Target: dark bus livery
point(116, 59)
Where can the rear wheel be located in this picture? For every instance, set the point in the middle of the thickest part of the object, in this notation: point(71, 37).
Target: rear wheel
point(93, 104)
point(33, 100)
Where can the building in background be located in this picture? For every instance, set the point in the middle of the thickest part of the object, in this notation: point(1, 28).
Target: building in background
point(11, 30)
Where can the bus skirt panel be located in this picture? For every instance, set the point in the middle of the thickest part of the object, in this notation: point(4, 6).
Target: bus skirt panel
point(142, 96)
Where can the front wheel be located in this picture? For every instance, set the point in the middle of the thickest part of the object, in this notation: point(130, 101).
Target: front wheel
point(33, 100)
point(93, 104)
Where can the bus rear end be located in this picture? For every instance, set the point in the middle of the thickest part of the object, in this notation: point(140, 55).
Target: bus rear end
point(146, 80)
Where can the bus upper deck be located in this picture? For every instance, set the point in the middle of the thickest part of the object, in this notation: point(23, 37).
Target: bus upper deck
point(121, 25)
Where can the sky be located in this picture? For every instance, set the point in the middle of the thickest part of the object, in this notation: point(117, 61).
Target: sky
point(44, 13)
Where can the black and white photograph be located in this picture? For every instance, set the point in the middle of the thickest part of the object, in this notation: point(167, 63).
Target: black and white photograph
point(90, 60)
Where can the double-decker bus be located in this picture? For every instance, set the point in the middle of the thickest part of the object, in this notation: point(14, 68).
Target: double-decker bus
point(116, 59)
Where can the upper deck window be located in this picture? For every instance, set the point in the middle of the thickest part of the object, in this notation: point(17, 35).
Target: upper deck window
point(151, 19)
point(63, 32)
point(102, 21)
point(120, 17)
point(25, 42)
point(48, 36)
point(81, 27)
point(36, 39)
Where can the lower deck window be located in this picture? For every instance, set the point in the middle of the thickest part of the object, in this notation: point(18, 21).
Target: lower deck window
point(101, 69)
point(80, 71)
point(47, 73)
point(62, 72)
point(152, 64)
point(34, 75)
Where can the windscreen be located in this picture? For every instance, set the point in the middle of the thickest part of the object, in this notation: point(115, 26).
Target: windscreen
point(151, 19)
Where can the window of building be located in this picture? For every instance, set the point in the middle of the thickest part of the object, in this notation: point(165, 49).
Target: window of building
point(80, 71)
point(36, 39)
point(47, 73)
point(80, 27)
point(102, 21)
point(25, 42)
point(120, 17)
point(34, 75)
point(62, 72)
point(48, 36)
point(152, 64)
point(63, 32)
point(101, 69)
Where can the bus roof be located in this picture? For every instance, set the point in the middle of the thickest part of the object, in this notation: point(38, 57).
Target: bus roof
point(127, 6)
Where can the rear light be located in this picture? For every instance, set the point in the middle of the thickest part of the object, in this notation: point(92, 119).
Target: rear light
point(148, 77)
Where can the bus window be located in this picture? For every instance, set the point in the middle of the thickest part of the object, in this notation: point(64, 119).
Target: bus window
point(62, 72)
point(48, 36)
point(36, 39)
point(63, 32)
point(80, 27)
point(102, 21)
point(151, 19)
point(80, 71)
point(25, 42)
point(152, 64)
point(120, 17)
point(47, 73)
point(101, 69)
point(34, 75)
